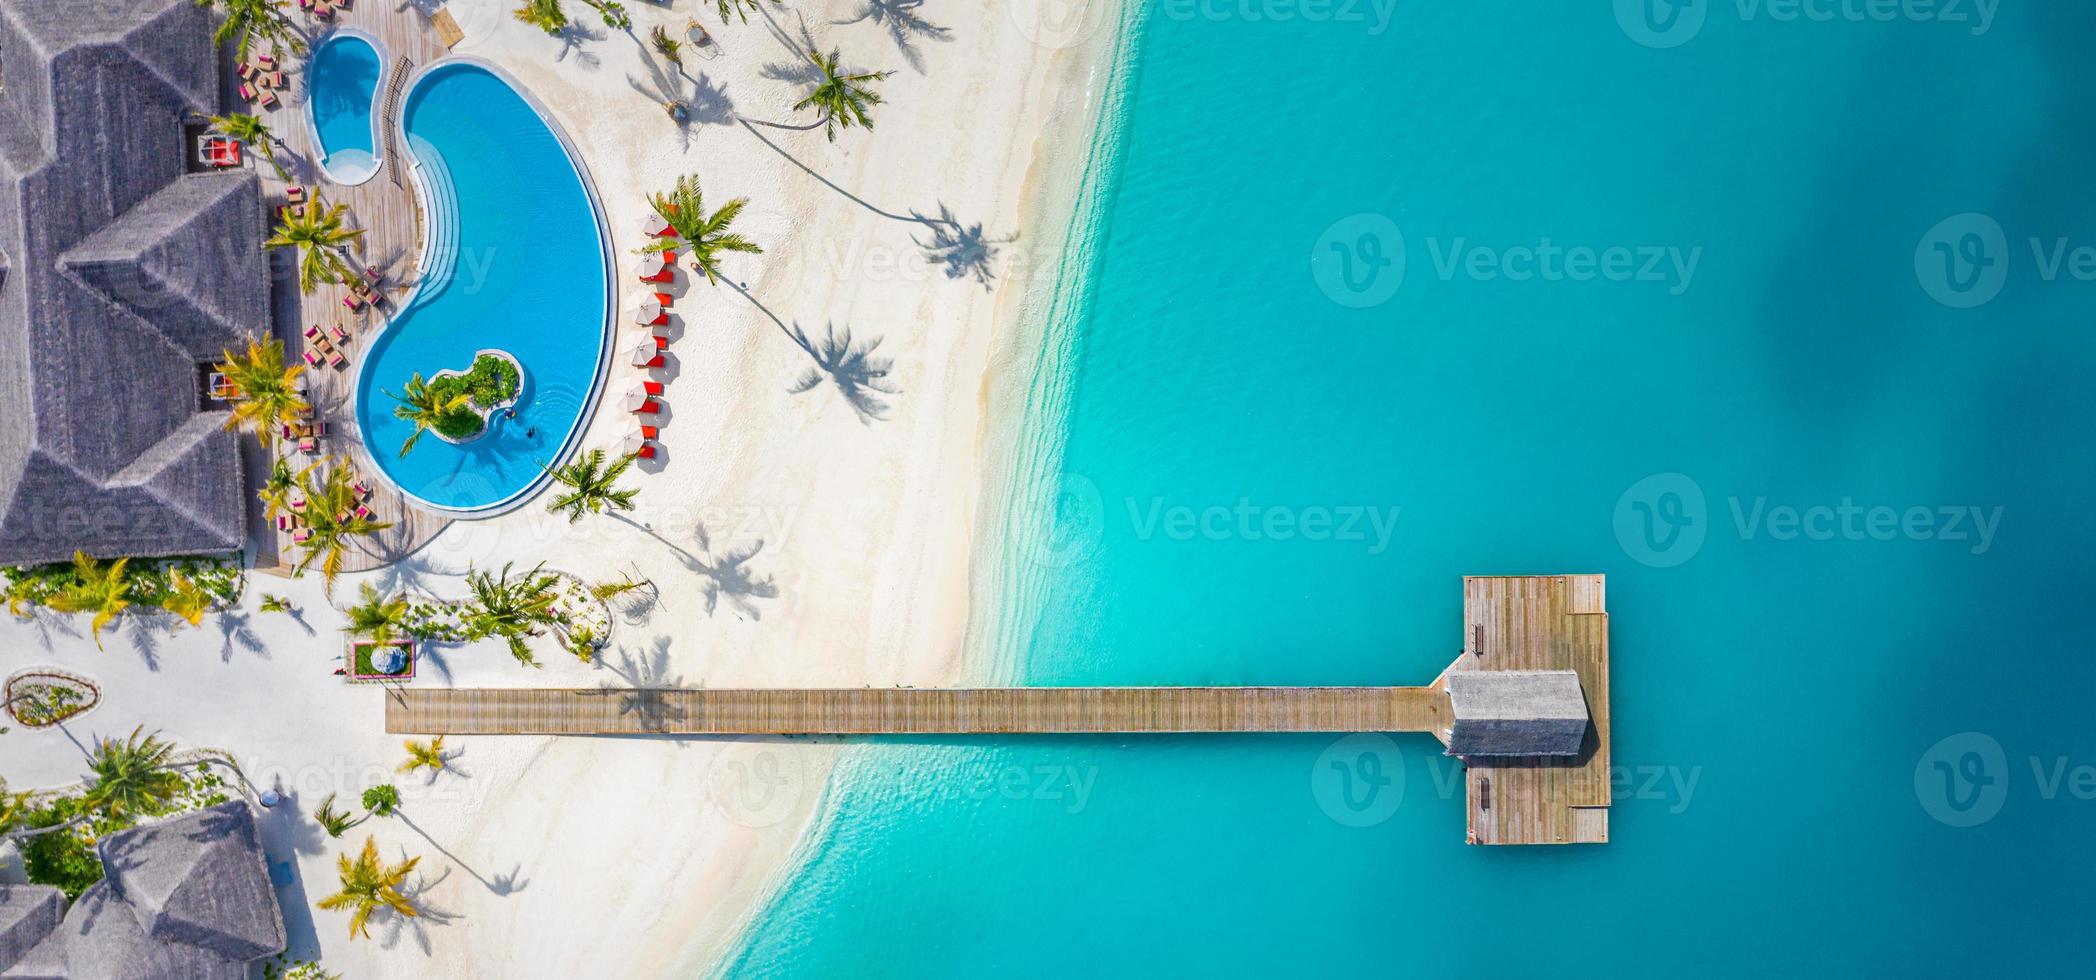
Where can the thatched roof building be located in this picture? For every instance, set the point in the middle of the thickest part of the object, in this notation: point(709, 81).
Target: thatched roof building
point(121, 277)
point(1502, 713)
point(187, 898)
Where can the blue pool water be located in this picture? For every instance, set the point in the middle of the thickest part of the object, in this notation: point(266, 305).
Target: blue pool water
point(1779, 700)
point(516, 263)
point(341, 83)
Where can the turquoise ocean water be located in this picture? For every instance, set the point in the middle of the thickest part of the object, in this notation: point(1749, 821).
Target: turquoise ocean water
point(1846, 745)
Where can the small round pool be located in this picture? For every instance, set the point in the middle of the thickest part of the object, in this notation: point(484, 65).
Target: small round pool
point(514, 259)
point(341, 84)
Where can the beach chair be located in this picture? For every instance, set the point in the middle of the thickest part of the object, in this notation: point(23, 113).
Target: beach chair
point(337, 361)
point(363, 492)
point(649, 432)
point(645, 452)
point(313, 332)
point(274, 79)
point(301, 536)
point(246, 71)
point(651, 387)
point(265, 62)
point(362, 512)
point(354, 302)
point(319, 428)
point(295, 192)
point(283, 522)
point(649, 407)
point(309, 446)
point(341, 335)
point(313, 358)
point(268, 99)
point(247, 92)
point(298, 504)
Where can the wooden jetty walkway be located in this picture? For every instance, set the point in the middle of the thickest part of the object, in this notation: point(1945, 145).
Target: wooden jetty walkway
point(1553, 624)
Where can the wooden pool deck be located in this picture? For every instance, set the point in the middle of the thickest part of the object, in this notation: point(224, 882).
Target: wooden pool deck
point(385, 208)
point(1551, 622)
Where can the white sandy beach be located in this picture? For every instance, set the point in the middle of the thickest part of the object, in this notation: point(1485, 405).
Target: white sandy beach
point(642, 857)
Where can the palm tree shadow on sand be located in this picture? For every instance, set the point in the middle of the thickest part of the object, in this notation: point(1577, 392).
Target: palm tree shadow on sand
point(858, 374)
point(905, 26)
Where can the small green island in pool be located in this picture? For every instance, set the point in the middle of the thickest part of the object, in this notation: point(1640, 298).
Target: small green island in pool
point(456, 405)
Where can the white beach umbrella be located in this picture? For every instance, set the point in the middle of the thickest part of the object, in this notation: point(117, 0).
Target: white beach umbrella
point(636, 398)
point(645, 353)
point(651, 224)
point(651, 265)
point(647, 311)
point(632, 443)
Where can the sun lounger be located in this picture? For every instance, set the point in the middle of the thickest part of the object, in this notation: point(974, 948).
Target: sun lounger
point(645, 452)
point(318, 428)
point(274, 79)
point(265, 62)
point(298, 503)
point(295, 192)
point(247, 92)
point(268, 99)
point(283, 522)
point(247, 72)
point(341, 336)
point(649, 407)
point(363, 513)
point(651, 387)
point(309, 446)
point(313, 332)
point(355, 304)
point(363, 492)
point(372, 275)
point(313, 358)
point(337, 361)
point(648, 431)
point(301, 536)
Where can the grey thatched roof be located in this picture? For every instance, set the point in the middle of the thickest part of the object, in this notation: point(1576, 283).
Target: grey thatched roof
point(187, 898)
point(29, 914)
point(1502, 713)
point(119, 276)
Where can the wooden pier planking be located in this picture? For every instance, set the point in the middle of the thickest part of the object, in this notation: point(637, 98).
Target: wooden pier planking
point(908, 711)
point(1552, 622)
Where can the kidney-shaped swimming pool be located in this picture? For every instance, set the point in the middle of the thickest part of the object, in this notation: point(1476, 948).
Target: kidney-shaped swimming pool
point(514, 260)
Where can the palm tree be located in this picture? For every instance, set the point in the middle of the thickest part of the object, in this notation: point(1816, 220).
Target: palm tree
point(134, 777)
point(666, 45)
point(382, 800)
point(425, 755)
point(266, 390)
point(185, 600)
point(741, 8)
point(546, 15)
point(424, 406)
point(251, 130)
point(254, 20)
point(841, 97)
point(277, 486)
point(275, 604)
point(705, 237)
point(316, 231)
point(511, 609)
point(591, 486)
point(331, 504)
point(376, 617)
point(613, 12)
point(369, 884)
point(334, 821)
point(97, 588)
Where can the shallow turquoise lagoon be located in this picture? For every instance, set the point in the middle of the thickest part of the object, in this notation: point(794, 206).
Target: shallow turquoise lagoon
point(515, 262)
point(1783, 687)
point(341, 85)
